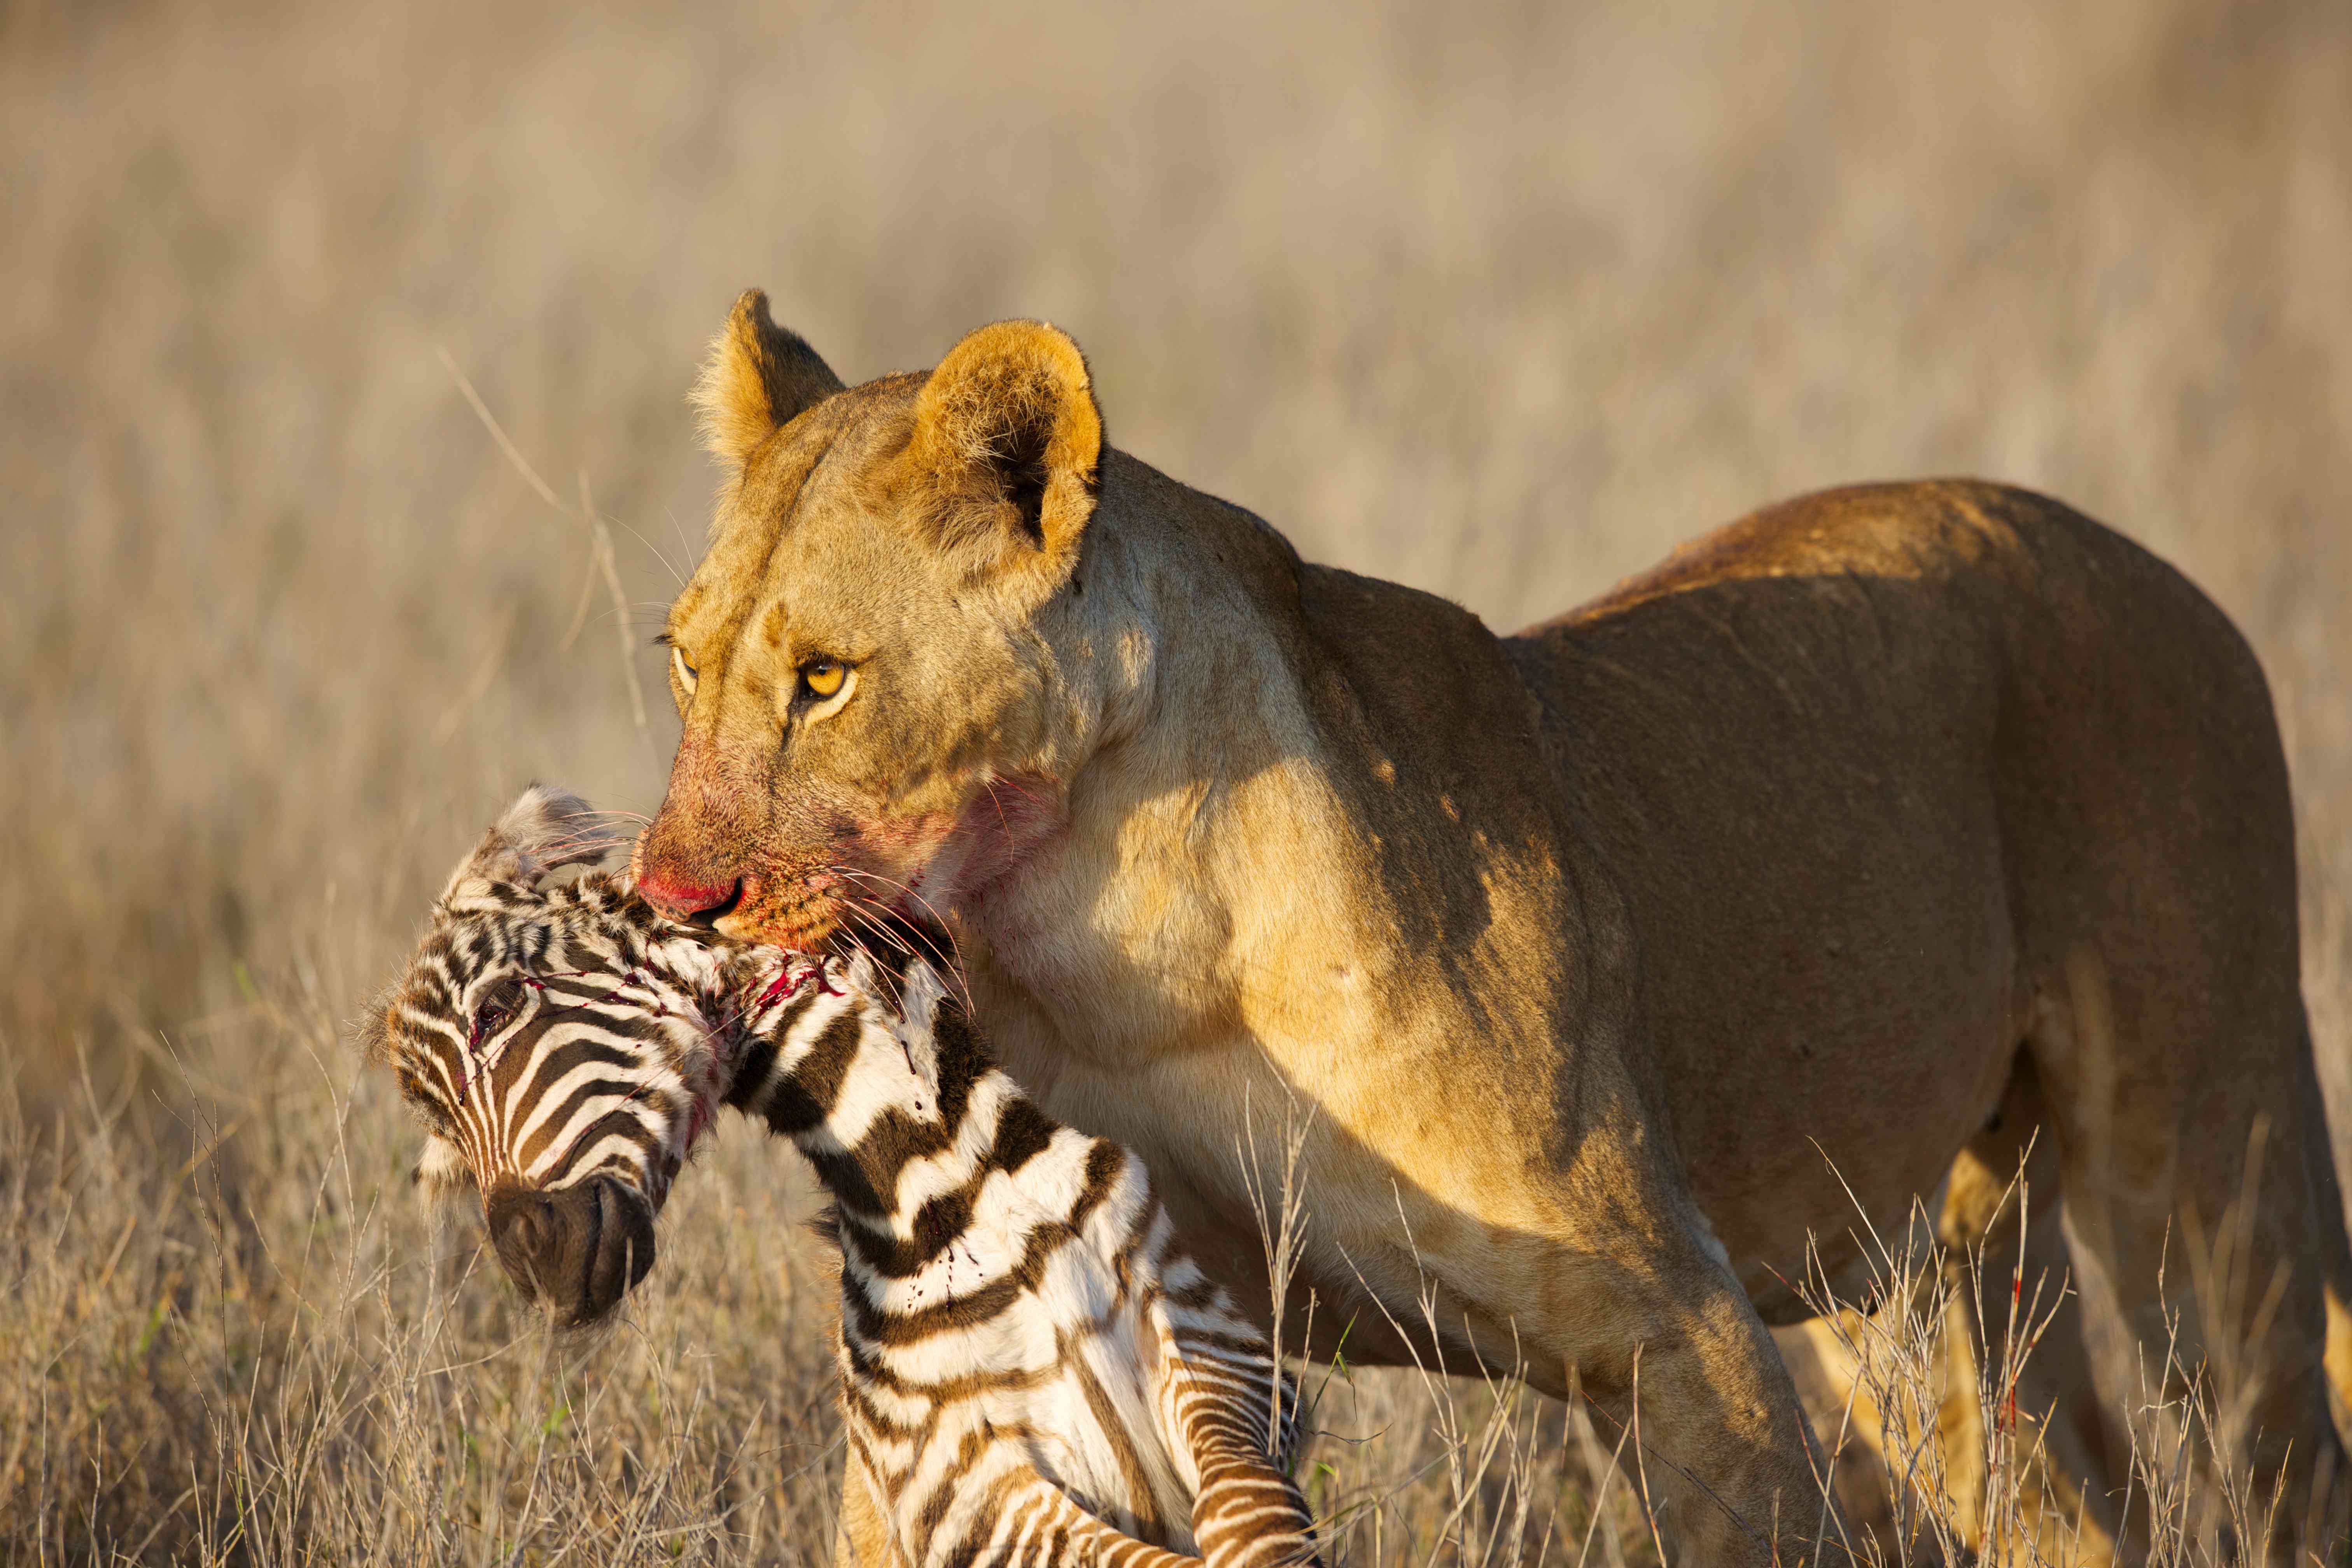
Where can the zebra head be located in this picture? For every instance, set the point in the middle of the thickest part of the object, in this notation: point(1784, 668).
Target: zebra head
point(562, 1045)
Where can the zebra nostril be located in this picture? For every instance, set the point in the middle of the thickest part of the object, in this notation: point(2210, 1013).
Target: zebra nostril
point(527, 1230)
point(536, 1227)
point(578, 1249)
point(621, 1253)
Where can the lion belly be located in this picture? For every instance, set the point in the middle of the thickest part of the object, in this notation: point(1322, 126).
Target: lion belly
point(1815, 753)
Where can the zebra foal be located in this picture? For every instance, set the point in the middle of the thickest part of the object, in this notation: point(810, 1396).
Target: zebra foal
point(1033, 1371)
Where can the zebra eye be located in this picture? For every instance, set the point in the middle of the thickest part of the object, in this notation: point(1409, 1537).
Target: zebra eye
point(497, 1012)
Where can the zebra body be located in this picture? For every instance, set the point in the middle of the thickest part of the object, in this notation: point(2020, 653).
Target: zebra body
point(1032, 1371)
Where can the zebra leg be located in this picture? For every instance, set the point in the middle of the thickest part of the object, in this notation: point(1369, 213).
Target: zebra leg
point(1024, 1521)
point(1037, 1526)
point(1246, 1513)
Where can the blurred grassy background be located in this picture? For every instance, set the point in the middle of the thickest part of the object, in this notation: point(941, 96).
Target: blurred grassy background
point(1498, 301)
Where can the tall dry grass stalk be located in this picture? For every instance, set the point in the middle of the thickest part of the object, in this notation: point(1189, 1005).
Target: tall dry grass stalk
point(1499, 302)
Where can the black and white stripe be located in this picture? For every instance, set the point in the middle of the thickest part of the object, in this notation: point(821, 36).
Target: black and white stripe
point(545, 1038)
point(1032, 1369)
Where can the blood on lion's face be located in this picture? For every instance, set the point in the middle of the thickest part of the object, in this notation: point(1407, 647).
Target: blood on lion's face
point(876, 720)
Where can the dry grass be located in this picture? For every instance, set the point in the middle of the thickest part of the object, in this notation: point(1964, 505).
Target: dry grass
point(1498, 304)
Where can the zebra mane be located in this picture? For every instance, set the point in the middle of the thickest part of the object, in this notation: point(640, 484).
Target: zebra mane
point(543, 831)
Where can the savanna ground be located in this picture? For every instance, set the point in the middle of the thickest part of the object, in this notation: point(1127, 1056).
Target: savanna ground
point(1501, 304)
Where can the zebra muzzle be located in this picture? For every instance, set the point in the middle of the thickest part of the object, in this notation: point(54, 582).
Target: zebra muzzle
point(577, 1250)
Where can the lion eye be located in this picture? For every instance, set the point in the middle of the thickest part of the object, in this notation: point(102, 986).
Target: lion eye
point(823, 677)
point(683, 670)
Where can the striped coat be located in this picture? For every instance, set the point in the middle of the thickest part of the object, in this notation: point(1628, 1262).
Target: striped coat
point(1032, 1371)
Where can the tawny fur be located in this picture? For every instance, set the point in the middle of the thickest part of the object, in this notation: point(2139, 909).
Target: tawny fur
point(1591, 947)
point(757, 376)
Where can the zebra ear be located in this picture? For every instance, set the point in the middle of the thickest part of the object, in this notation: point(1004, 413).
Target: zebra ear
point(855, 972)
point(920, 992)
point(544, 828)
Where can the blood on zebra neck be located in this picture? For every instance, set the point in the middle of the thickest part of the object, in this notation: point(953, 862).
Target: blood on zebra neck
point(928, 1150)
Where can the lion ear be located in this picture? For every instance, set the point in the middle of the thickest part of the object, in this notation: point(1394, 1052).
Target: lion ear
point(758, 378)
point(1009, 439)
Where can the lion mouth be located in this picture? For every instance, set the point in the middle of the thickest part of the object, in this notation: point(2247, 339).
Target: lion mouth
point(809, 922)
point(835, 907)
point(825, 923)
point(709, 918)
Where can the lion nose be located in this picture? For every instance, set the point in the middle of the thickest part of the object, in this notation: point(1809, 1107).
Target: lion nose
point(579, 1248)
point(682, 898)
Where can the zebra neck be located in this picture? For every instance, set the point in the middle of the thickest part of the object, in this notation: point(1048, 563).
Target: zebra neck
point(919, 1190)
point(906, 1119)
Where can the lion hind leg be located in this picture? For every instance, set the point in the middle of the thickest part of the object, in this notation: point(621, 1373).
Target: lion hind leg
point(2335, 1239)
point(2020, 1392)
point(2192, 1218)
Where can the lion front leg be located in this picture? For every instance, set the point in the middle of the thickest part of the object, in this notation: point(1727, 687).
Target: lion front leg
point(1716, 1440)
point(1646, 1318)
point(862, 1534)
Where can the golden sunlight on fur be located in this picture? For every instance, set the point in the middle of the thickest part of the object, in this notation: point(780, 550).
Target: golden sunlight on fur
point(756, 377)
point(1868, 826)
point(349, 474)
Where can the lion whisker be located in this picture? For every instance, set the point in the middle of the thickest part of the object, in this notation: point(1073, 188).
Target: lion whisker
point(952, 958)
point(882, 921)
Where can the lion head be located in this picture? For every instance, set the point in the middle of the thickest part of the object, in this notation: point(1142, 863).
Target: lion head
point(881, 662)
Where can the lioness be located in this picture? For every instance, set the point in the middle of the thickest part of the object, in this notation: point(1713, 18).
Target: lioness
point(1591, 947)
